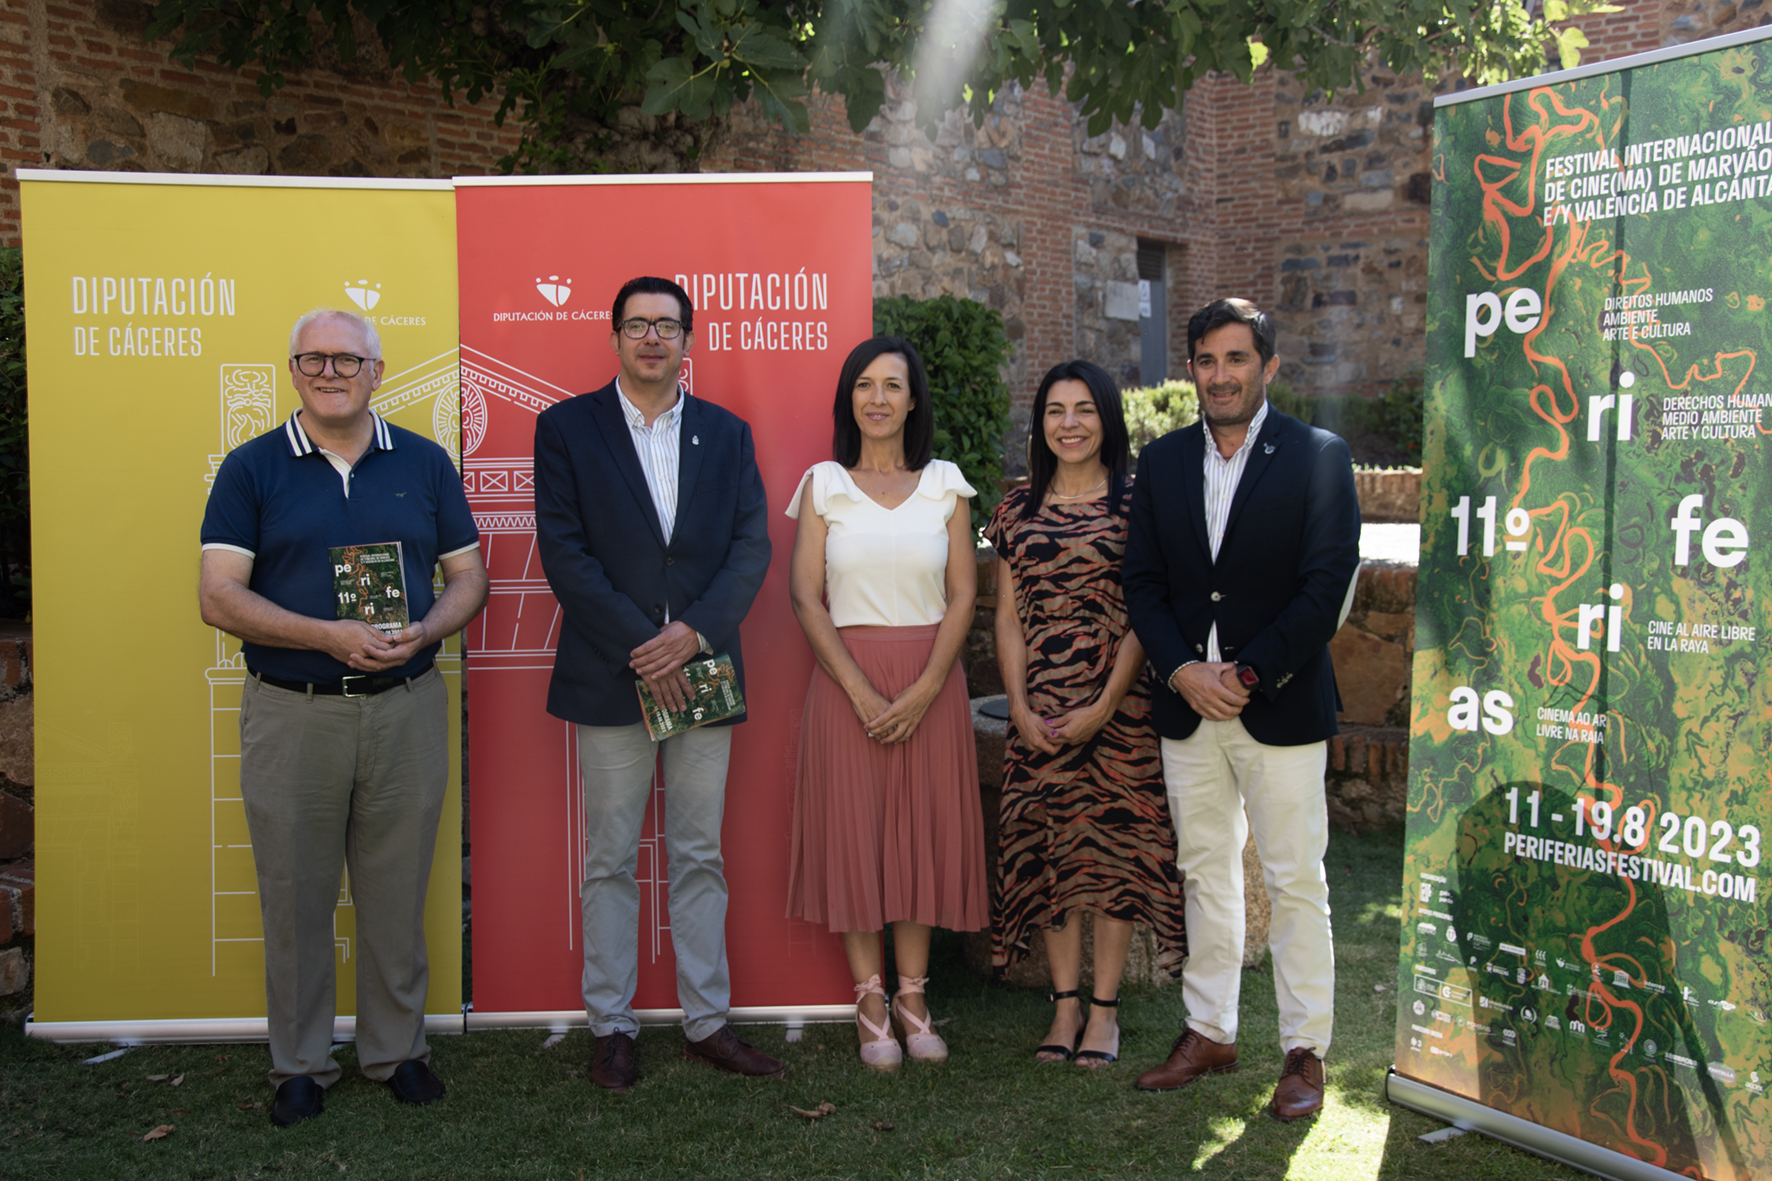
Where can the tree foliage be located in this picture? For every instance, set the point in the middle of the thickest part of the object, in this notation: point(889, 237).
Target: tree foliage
point(568, 69)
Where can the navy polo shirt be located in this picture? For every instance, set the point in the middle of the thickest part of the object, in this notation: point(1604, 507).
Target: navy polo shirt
point(280, 500)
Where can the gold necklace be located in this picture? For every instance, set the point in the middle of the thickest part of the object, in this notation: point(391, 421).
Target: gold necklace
point(1079, 495)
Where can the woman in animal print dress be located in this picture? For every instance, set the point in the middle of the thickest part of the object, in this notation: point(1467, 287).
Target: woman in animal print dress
point(1085, 820)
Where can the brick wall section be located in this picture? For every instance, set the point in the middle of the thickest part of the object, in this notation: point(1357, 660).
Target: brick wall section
point(79, 88)
point(1316, 208)
point(1027, 213)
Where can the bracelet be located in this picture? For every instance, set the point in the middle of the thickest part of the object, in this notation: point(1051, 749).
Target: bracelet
point(1171, 681)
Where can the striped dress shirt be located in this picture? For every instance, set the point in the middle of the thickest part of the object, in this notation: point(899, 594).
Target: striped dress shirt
point(1222, 477)
point(657, 448)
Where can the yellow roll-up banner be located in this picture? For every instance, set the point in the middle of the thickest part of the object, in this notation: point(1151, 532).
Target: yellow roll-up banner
point(158, 315)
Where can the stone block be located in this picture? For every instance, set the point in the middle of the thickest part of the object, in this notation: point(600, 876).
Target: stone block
point(102, 153)
point(308, 155)
point(1368, 780)
point(1122, 301)
point(18, 828)
point(17, 755)
point(69, 104)
point(178, 142)
point(1372, 674)
point(15, 971)
point(253, 161)
point(1386, 587)
point(117, 123)
point(146, 96)
point(402, 135)
point(18, 893)
point(1389, 496)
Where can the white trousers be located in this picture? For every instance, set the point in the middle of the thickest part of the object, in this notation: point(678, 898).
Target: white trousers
point(1222, 784)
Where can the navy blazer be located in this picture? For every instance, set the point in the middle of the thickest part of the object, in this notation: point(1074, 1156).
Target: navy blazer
point(605, 556)
point(1285, 570)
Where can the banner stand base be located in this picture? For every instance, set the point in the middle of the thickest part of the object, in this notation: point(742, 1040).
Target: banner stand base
point(1511, 1129)
point(344, 1029)
point(200, 1031)
point(561, 1020)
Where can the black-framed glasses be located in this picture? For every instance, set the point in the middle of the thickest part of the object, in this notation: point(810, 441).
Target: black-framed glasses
point(343, 364)
point(636, 328)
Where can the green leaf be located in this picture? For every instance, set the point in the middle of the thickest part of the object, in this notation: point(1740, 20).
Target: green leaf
point(760, 50)
point(671, 80)
point(1570, 42)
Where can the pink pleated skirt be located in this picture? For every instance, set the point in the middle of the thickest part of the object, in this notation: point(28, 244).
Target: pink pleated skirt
point(886, 833)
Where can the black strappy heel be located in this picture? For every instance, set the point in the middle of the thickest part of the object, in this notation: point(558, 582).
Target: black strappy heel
point(1100, 1057)
point(1050, 1048)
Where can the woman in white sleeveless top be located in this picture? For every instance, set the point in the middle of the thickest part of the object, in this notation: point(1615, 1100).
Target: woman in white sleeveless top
point(887, 822)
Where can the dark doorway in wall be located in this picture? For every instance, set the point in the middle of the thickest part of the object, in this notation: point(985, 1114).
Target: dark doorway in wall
point(1153, 314)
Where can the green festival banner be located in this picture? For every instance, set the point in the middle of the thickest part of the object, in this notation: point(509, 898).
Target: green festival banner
point(1583, 965)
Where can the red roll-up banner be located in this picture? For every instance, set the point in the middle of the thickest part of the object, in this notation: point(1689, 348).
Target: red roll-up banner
point(779, 268)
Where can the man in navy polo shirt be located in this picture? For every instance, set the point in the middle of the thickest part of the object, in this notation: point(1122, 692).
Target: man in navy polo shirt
point(343, 729)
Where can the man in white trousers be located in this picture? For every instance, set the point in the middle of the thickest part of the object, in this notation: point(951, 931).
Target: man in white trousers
point(1244, 544)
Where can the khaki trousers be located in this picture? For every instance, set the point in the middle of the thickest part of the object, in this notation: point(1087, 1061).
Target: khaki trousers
point(617, 764)
point(330, 782)
point(1222, 786)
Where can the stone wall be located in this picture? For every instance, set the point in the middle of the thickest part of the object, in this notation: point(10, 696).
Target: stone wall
point(18, 874)
point(1368, 776)
point(1026, 213)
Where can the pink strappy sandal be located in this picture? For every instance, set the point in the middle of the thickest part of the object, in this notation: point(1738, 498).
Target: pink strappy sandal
point(921, 1041)
point(882, 1053)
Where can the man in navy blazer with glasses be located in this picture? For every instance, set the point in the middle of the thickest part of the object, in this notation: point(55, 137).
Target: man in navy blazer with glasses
point(1240, 563)
point(653, 532)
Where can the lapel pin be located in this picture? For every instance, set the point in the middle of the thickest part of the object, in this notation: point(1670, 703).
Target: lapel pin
point(695, 440)
point(1267, 448)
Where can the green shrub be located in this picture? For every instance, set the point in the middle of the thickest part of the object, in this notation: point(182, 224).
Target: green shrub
point(1400, 416)
point(1155, 410)
point(1382, 432)
point(15, 459)
point(964, 348)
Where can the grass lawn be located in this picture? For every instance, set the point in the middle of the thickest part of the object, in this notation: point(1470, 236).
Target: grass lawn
point(517, 1110)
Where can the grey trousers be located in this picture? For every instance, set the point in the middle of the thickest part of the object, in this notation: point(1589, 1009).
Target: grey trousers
point(331, 781)
point(617, 764)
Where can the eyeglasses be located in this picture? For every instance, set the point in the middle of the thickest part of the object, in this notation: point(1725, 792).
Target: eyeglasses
point(637, 328)
point(343, 364)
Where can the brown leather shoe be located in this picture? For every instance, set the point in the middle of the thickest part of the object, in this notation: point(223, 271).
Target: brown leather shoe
point(724, 1049)
point(1300, 1092)
point(1193, 1055)
point(612, 1063)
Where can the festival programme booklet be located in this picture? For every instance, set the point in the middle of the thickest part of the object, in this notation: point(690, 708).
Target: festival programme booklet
point(370, 583)
point(714, 695)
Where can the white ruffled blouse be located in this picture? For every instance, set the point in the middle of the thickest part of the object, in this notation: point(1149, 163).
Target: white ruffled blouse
point(885, 567)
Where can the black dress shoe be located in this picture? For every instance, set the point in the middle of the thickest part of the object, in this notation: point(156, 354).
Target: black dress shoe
point(412, 1082)
point(612, 1062)
point(297, 1099)
point(725, 1050)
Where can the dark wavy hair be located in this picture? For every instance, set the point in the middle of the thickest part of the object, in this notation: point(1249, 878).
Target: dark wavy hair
point(1220, 312)
point(919, 426)
point(652, 285)
point(1116, 448)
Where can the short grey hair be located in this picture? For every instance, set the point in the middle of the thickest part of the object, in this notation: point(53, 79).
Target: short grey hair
point(371, 339)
